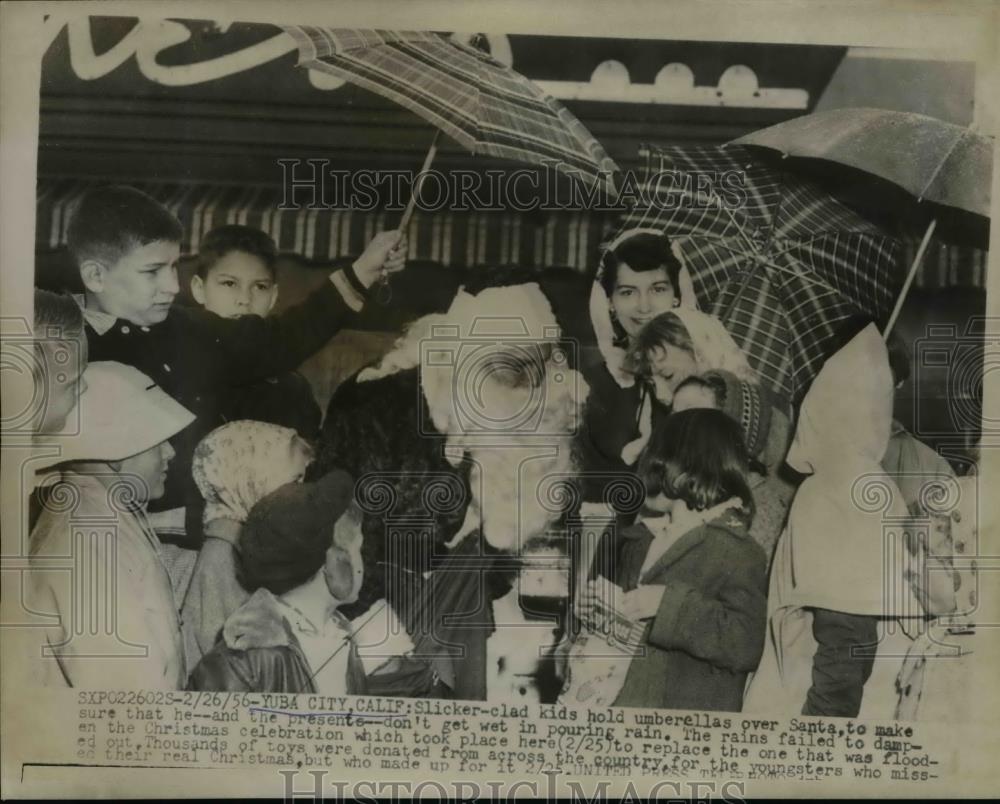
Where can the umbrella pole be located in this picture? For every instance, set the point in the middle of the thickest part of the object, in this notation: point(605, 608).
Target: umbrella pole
point(383, 294)
point(909, 278)
point(411, 205)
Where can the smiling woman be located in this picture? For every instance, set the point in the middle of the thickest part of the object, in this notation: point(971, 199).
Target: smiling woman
point(640, 279)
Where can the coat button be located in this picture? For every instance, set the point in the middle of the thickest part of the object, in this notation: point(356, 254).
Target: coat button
point(166, 367)
point(125, 330)
point(144, 329)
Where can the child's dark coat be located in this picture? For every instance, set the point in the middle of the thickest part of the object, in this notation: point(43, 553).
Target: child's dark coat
point(709, 631)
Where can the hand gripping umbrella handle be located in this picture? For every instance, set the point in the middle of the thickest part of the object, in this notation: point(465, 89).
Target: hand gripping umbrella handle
point(909, 279)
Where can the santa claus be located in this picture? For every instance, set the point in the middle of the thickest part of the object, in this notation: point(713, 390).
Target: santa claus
point(462, 443)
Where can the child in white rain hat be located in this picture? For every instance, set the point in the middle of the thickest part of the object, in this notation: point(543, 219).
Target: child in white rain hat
point(96, 568)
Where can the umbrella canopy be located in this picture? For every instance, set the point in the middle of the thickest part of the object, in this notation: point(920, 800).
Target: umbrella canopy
point(929, 158)
point(481, 103)
point(779, 261)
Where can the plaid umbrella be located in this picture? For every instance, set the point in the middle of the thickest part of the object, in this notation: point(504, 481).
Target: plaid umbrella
point(779, 261)
point(484, 105)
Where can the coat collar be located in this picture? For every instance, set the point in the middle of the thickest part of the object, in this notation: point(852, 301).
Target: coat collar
point(258, 623)
point(261, 622)
point(727, 520)
point(99, 321)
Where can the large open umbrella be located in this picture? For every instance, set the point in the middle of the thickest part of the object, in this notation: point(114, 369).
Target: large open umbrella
point(484, 105)
point(778, 260)
point(933, 160)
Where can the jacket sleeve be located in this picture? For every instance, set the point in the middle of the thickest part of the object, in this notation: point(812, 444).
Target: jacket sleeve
point(727, 628)
point(841, 665)
point(103, 638)
point(223, 670)
point(254, 348)
point(213, 592)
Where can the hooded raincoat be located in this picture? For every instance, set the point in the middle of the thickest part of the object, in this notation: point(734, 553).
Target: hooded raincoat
point(841, 551)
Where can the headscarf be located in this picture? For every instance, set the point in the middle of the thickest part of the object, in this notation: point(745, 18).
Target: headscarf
point(239, 463)
point(287, 534)
point(714, 349)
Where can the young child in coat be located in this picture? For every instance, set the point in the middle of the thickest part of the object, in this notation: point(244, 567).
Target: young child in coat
point(237, 275)
point(692, 576)
point(840, 575)
point(299, 554)
point(113, 619)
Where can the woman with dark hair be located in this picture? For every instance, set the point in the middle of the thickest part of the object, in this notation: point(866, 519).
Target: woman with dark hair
point(638, 279)
point(691, 581)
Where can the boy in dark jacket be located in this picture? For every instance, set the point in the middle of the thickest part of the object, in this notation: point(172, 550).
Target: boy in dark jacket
point(127, 245)
point(237, 275)
point(693, 573)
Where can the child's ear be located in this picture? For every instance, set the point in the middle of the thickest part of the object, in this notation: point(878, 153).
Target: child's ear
point(198, 289)
point(92, 275)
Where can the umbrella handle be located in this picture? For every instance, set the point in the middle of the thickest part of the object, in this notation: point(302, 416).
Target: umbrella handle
point(383, 293)
point(411, 204)
point(909, 278)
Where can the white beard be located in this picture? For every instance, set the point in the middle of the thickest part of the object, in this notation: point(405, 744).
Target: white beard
point(518, 479)
point(518, 438)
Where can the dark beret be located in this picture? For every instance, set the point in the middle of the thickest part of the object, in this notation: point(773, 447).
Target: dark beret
point(285, 538)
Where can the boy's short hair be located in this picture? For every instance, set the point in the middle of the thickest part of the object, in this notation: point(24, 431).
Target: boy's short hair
point(223, 240)
point(57, 316)
point(111, 221)
point(641, 252)
point(698, 456)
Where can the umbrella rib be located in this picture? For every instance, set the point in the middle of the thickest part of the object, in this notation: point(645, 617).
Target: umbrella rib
point(783, 268)
point(940, 164)
point(746, 237)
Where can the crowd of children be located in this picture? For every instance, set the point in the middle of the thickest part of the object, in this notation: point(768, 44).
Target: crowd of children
point(196, 420)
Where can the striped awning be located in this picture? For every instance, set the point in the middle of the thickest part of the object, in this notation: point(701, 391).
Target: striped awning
point(461, 239)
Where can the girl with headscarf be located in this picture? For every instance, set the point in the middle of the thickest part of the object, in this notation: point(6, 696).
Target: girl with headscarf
point(234, 466)
point(672, 347)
